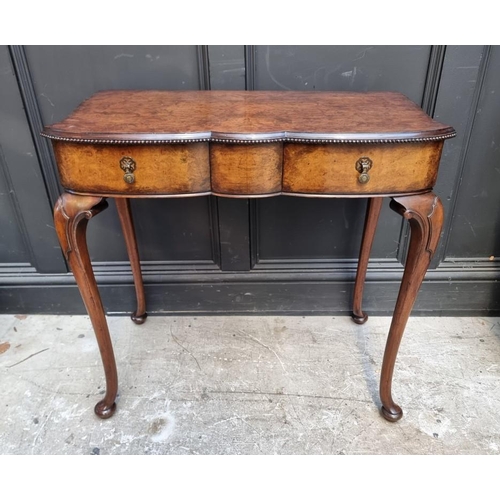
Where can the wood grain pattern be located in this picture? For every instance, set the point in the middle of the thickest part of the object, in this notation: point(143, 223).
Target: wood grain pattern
point(71, 216)
point(178, 115)
point(160, 169)
point(252, 169)
point(331, 168)
point(425, 214)
point(246, 170)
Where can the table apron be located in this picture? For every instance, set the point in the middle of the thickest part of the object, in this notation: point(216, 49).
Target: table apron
point(248, 170)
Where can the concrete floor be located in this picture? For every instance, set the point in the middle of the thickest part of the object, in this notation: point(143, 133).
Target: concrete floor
point(249, 385)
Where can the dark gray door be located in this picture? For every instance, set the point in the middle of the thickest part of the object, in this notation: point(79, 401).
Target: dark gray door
point(277, 255)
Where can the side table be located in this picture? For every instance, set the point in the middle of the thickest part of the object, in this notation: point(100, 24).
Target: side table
point(150, 144)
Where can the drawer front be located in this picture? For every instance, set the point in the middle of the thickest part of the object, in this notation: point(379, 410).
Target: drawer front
point(246, 169)
point(168, 169)
point(360, 169)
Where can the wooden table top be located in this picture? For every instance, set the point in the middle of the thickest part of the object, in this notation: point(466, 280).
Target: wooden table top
point(152, 116)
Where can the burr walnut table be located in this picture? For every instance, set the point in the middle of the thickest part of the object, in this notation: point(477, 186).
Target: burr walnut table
point(150, 144)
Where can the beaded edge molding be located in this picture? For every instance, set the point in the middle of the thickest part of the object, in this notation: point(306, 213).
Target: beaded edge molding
point(249, 141)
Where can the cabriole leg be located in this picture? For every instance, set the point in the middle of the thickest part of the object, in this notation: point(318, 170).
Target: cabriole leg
point(71, 215)
point(425, 214)
point(371, 219)
point(127, 222)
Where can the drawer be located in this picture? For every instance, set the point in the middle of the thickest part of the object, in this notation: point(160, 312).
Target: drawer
point(332, 168)
point(167, 169)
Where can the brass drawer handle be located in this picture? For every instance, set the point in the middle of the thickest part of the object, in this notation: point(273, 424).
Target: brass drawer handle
point(127, 164)
point(362, 166)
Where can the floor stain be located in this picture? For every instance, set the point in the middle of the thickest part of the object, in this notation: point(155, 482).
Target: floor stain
point(156, 426)
point(162, 427)
point(4, 346)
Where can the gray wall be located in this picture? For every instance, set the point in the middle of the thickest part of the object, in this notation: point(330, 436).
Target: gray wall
point(276, 255)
